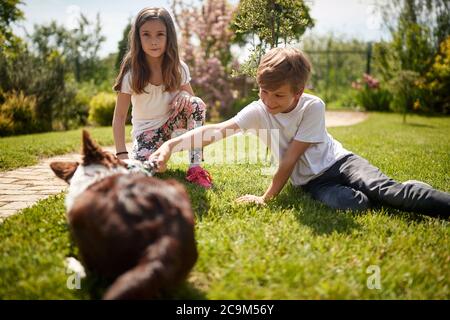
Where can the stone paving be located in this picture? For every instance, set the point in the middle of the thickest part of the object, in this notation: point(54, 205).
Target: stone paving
point(23, 187)
point(344, 118)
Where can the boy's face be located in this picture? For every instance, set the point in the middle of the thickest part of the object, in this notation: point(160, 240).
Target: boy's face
point(281, 99)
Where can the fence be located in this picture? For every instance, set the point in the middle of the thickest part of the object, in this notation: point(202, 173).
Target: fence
point(335, 69)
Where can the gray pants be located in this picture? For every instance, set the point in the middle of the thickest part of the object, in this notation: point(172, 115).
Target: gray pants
point(353, 183)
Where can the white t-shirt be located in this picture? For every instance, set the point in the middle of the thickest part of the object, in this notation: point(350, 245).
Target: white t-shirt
point(150, 110)
point(305, 123)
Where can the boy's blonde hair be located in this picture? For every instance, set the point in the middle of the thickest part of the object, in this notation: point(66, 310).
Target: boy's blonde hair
point(283, 65)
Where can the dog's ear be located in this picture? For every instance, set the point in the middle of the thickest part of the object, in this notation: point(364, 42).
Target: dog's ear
point(91, 151)
point(93, 154)
point(64, 170)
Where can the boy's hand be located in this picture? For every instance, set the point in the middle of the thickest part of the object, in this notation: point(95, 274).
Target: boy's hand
point(180, 101)
point(249, 198)
point(161, 157)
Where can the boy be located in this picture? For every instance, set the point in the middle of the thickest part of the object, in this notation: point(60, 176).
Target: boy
point(309, 155)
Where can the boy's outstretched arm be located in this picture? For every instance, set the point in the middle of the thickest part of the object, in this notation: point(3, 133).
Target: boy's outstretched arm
point(197, 138)
point(287, 164)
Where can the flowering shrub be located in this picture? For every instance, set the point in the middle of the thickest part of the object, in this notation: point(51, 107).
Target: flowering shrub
point(370, 95)
point(205, 47)
point(437, 80)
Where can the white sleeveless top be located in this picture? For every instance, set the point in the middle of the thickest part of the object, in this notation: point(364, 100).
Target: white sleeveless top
point(150, 109)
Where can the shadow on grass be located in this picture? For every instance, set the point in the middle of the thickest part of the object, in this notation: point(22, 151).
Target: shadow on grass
point(187, 292)
point(321, 219)
point(403, 215)
point(197, 194)
point(419, 125)
point(94, 287)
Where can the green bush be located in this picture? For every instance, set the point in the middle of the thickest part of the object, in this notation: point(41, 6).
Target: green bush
point(416, 61)
point(81, 103)
point(17, 114)
point(101, 109)
point(85, 92)
point(406, 92)
point(370, 95)
point(241, 103)
point(346, 100)
point(45, 78)
point(436, 83)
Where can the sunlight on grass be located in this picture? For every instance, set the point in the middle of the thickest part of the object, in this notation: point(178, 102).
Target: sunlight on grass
point(26, 150)
point(295, 248)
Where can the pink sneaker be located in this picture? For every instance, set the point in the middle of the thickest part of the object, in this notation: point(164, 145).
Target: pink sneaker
point(199, 176)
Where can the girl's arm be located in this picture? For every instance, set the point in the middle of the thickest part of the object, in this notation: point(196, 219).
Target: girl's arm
point(187, 87)
point(197, 138)
point(287, 164)
point(118, 124)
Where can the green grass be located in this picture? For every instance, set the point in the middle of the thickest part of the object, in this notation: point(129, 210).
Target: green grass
point(295, 248)
point(26, 150)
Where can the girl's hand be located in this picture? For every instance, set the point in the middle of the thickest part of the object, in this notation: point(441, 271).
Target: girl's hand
point(161, 156)
point(249, 198)
point(180, 101)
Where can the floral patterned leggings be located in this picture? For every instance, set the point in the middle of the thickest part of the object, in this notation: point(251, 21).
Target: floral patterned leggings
point(189, 118)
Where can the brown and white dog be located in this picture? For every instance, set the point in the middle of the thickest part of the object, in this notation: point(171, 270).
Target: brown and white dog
point(133, 229)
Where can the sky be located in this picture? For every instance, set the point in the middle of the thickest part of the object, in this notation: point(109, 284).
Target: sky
point(346, 18)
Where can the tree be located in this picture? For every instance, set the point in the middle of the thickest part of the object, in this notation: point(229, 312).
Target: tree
point(431, 15)
point(46, 74)
point(270, 21)
point(437, 79)
point(417, 27)
point(9, 14)
point(42, 77)
point(205, 47)
point(79, 46)
point(123, 46)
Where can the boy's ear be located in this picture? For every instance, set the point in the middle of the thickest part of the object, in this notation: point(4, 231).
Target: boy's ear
point(64, 170)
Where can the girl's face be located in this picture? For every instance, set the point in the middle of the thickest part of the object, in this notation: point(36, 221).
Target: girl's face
point(153, 35)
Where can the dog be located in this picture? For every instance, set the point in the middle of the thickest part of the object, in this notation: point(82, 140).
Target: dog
point(131, 228)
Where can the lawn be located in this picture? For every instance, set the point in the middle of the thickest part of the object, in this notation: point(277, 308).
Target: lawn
point(26, 150)
point(294, 248)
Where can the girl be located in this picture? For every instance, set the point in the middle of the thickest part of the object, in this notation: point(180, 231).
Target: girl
point(156, 82)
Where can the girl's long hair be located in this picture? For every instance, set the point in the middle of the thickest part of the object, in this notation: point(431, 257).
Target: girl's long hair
point(135, 60)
